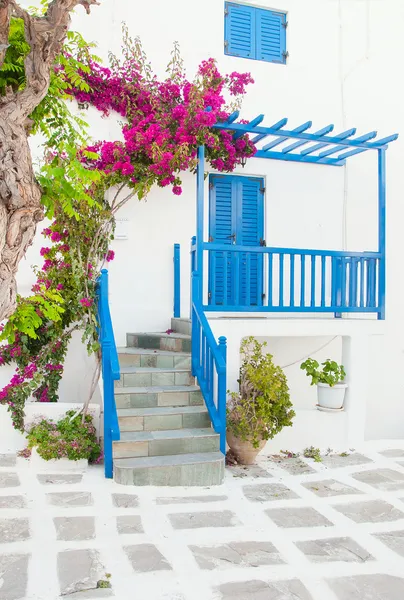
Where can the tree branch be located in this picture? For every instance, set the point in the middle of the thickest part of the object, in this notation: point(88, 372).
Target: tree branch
point(5, 15)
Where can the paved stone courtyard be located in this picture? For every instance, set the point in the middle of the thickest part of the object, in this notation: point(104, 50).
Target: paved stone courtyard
point(286, 529)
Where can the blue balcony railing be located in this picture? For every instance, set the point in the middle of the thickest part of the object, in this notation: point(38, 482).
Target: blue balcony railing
point(263, 279)
point(110, 372)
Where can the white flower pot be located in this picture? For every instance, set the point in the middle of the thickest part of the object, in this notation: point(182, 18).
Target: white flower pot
point(56, 465)
point(331, 397)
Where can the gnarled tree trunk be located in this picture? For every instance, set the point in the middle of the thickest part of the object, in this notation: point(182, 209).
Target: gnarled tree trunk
point(20, 194)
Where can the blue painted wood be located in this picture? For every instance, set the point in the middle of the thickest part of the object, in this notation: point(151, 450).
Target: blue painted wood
point(270, 36)
point(322, 131)
point(323, 279)
point(233, 117)
point(110, 371)
point(361, 138)
point(273, 127)
point(292, 280)
point(301, 136)
point(177, 281)
point(208, 362)
point(340, 268)
point(313, 280)
point(287, 309)
point(382, 232)
point(240, 30)
point(279, 140)
point(332, 162)
point(236, 214)
point(200, 185)
point(253, 122)
point(340, 136)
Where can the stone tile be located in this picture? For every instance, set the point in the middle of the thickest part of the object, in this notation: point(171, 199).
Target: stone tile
point(334, 549)
point(173, 399)
point(381, 479)
point(254, 471)
point(68, 499)
point(125, 500)
point(334, 461)
point(268, 491)
point(294, 466)
point(368, 587)
point(137, 379)
point(129, 524)
point(14, 530)
point(59, 478)
point(260, 590)
point(183, 379)
point(372, 511)
point(399, 453)
point(191, 500)
point(9, 480)
point(164, 379)
point(130, 360)
point(165, 361)
point(181, 362)
point(162, 422)
point(393, 540)
point(74, 528)
point(198, 420)
point(149, 360)
point(297, 517)
point(241, 554)
point(8, 460)
point(131, 424)
point(195, 399)
point(14, 576)
point(96, 594)
point(330, 487)
point(145, 558)
point(79, 570)
point(12, 502)
point(203, 519)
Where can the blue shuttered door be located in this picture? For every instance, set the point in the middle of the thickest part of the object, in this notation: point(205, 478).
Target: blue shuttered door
point(271, 36)
point(236, 216)
point(250, 233)
point(240, 31)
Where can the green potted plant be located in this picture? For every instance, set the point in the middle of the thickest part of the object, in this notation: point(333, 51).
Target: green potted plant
point(330, 382)
point(69, 443)
point(261, 407)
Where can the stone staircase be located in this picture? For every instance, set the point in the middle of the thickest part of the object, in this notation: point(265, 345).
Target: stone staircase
point(166, 433)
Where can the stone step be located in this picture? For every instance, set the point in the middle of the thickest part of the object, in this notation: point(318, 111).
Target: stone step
point(143, 357)
point(181, 325)
point(181, 469)
point(158, 443)
point(175, 342)
point(151, 376)
point(163, 418)
point(155, 396)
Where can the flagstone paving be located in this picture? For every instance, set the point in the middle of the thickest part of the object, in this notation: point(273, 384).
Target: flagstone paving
point(284, 529)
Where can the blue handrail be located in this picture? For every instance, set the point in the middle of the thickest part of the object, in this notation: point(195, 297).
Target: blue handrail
point(293, 280)
point(209, 363)
point(110, 372)
point(177, 281)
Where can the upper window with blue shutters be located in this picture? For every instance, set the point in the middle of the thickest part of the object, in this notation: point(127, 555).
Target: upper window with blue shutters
point(256, 33)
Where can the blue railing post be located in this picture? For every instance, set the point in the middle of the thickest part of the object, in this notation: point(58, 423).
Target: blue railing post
point(177, 281)
point(382, 233)
point(200, 184)
point(222, 395)
point(193, 259)
point(110, 372)
point(195, 337)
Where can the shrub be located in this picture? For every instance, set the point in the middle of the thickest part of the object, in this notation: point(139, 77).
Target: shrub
point(262, 406)
point(70, 438)
point(331, 373)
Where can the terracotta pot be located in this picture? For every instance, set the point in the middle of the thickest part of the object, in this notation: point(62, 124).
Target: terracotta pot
point(243, 451)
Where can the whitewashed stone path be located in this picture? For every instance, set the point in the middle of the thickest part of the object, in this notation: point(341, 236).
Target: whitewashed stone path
point(283, 530)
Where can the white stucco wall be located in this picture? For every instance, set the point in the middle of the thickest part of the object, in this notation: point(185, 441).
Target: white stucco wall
point(343, 68)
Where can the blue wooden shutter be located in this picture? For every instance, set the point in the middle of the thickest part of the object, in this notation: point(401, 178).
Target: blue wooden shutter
point(270, 36)
point(239, 30)
point(252, 231)
point(222, 226)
